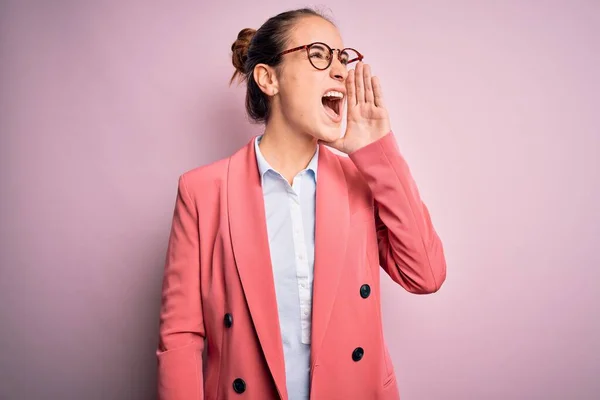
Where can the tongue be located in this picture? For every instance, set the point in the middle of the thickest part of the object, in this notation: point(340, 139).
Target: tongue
point(329, 110)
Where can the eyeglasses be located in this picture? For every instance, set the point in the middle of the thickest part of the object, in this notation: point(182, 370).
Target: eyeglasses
point(320, 55)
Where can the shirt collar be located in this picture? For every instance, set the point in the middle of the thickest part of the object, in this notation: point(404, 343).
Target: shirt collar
point(264, 166)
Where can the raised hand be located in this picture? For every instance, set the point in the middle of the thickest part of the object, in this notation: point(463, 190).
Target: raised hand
point(368, 119)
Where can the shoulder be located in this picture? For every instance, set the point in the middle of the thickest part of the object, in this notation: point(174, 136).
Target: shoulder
point(346, 170)
point(352, 175)
point(206, 174)
point(204, 179)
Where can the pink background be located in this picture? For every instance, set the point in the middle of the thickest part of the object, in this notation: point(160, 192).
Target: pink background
point(495, 105)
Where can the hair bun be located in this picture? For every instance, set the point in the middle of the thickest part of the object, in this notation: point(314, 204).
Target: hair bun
point(239, 50)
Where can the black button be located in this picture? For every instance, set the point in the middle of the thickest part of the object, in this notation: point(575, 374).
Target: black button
point(239, 385)
point(358, 354)
point(365, 291)
point(228, 320)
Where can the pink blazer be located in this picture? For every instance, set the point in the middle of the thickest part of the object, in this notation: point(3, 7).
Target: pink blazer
point(218, 299)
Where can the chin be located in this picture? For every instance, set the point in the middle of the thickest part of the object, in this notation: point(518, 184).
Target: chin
point(330, 133)
point(321, 129)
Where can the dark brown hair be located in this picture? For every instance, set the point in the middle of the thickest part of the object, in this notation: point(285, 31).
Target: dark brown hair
point(262, 46)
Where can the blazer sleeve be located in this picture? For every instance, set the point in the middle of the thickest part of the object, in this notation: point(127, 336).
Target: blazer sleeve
point(181, 331)
point(410, 250)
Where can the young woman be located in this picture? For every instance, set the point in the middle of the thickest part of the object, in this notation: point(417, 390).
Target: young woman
point(272, 271)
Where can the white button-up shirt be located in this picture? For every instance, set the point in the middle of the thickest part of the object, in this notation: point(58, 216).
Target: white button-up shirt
point(290, 215)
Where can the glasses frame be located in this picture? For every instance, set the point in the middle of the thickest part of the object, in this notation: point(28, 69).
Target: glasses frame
point(340, 51)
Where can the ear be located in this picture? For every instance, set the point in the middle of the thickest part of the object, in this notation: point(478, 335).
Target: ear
point(266, 79)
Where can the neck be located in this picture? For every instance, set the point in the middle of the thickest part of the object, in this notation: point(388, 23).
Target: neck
point(287, 150)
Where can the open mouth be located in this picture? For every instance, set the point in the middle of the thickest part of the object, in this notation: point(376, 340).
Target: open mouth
point(332, 102)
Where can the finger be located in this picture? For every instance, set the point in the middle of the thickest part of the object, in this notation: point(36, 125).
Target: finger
point(350, 89)
point(378, 92)
point(359, 83)
point(369, 98)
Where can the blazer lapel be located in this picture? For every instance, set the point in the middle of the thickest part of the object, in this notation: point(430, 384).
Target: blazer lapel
point(250, 243)
point(331, 232)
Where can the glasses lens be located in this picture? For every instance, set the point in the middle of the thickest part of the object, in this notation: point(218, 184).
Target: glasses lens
point(319, 55)
point(348, 56)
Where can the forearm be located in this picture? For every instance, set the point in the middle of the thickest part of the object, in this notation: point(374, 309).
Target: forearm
point(410, 250)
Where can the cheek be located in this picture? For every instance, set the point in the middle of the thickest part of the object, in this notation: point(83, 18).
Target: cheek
point(302, 98)
point(301, 95)
point(302, 82)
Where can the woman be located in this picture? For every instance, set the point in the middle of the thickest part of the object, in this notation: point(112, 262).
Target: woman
point(272, 271)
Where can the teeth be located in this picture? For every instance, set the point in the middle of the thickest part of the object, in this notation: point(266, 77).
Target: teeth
point(335, 94)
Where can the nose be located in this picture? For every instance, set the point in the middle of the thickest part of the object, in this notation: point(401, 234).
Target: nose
point(338, 71)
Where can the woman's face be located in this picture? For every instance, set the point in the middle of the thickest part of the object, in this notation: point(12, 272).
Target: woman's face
point(304, 94)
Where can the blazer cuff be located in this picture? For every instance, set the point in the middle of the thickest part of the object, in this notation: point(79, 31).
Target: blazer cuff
point(382, 152)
